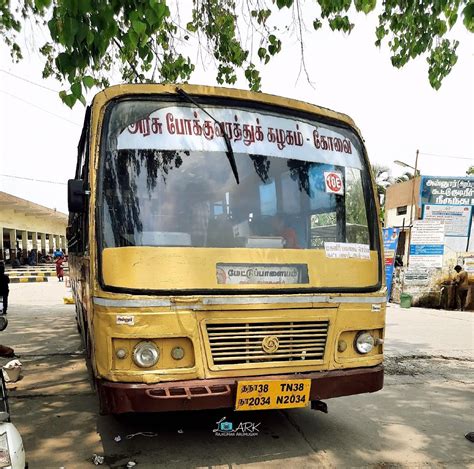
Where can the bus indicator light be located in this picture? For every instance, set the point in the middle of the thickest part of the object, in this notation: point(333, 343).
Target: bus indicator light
point(177, 353)
point(121, 353)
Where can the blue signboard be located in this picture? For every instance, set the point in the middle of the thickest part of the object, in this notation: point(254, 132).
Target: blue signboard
point(390, 243)
point(443, 190)
point(426, 249)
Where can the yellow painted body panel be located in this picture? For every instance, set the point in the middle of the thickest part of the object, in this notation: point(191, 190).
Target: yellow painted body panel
point(187, 322)
point(184, 318)
point(166, 268)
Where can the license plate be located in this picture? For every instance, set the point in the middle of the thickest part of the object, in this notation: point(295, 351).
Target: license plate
point(272, 394)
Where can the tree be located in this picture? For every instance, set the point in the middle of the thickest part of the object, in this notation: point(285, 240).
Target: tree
point(382, 179)
point(150, 42)
point(470, 171)
point(406, 176)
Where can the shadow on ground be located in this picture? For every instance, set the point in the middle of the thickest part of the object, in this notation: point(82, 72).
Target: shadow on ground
point(419, 418)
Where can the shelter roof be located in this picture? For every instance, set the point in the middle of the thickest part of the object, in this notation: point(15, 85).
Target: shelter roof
point(11, 202)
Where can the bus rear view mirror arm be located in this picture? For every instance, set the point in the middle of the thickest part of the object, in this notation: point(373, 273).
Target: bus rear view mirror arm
point(76, 195)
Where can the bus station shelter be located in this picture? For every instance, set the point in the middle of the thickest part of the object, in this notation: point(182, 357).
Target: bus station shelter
point(25, 225)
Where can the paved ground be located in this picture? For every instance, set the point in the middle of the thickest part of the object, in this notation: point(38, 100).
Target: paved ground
point(418, 420)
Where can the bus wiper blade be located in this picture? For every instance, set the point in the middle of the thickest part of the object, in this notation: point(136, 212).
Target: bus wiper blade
point(230, 152)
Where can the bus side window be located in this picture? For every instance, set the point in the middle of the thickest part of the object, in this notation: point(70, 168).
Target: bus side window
point(79, 222)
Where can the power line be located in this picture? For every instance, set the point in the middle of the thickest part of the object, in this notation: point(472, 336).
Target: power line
point(35, 180)
point(40, 108)
point(28, 81)
point(448, 156)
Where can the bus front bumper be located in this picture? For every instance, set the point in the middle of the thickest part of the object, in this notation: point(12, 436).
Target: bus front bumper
point(199, 394)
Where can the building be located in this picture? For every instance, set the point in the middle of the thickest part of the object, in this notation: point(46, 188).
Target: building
point(447, 200)
point(402, 207)
point(25, 225)
point(435, 218)
point(401, 201)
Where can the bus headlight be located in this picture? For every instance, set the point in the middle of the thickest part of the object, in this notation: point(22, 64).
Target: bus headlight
point(364, 342)
point(146, 354)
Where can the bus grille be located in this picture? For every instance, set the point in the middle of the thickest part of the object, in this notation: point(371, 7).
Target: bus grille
point(239, 343)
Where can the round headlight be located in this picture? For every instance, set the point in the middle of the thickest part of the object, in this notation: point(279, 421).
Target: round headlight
point(364, 342)
point(146, 354)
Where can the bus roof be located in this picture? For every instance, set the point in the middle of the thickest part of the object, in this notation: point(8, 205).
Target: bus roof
point(115, 91)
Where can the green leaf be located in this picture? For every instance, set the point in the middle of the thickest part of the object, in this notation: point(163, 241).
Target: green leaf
point(67, 99)
point(365, 6)
point(138, 26)
point(131, 39)
point(191, 27)
point(162, 11)
point(284, 3)
point(88, 81)
point(53, 28)
point(63, 63)
point(468, 13)
point(40, 4)
point(70, 29)
point(380, 32)
point(89, 38)
point(76, 90)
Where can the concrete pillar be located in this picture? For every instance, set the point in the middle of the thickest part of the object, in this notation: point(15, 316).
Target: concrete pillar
point(24, 244)
point(63, 243)
point(51, 243)
point(12, 244)
point(57, 241)
point(34, 238)
point(2, 256)
point(43, 243)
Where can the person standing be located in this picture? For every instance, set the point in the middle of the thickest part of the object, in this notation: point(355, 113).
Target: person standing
point(60, 268)
point(462, 285)
point(4, 291)
point(4, 288)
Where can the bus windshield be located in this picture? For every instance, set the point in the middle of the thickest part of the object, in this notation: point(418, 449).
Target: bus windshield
point(166, 179)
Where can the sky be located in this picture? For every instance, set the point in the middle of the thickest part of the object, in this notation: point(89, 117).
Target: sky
point(396, 109)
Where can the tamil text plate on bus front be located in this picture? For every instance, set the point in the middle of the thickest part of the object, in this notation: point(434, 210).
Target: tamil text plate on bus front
point(272, 394)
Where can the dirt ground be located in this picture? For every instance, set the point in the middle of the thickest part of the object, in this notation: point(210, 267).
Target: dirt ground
point(418, 420)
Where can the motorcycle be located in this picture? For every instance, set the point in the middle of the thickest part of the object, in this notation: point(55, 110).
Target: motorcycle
point(12, 452)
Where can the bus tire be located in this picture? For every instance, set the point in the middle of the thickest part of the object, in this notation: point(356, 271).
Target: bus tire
point(87, 343)
point(78, 319)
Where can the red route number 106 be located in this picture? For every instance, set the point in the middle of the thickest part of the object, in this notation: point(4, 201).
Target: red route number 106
point(334, 183)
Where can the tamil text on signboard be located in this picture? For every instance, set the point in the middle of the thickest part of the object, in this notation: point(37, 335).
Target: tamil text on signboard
point(427, 244)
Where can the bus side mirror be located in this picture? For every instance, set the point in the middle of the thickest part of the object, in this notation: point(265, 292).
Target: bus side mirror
point(76, 200)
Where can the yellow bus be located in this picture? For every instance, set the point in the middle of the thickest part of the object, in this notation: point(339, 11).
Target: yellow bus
point(224, 251)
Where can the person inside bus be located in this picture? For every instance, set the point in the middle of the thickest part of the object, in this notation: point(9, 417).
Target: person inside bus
point(286, 232)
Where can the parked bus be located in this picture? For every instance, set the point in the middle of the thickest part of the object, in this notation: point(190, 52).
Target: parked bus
point(224, 251)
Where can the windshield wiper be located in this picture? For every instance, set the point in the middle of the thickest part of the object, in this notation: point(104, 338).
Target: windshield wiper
point(230, 152)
